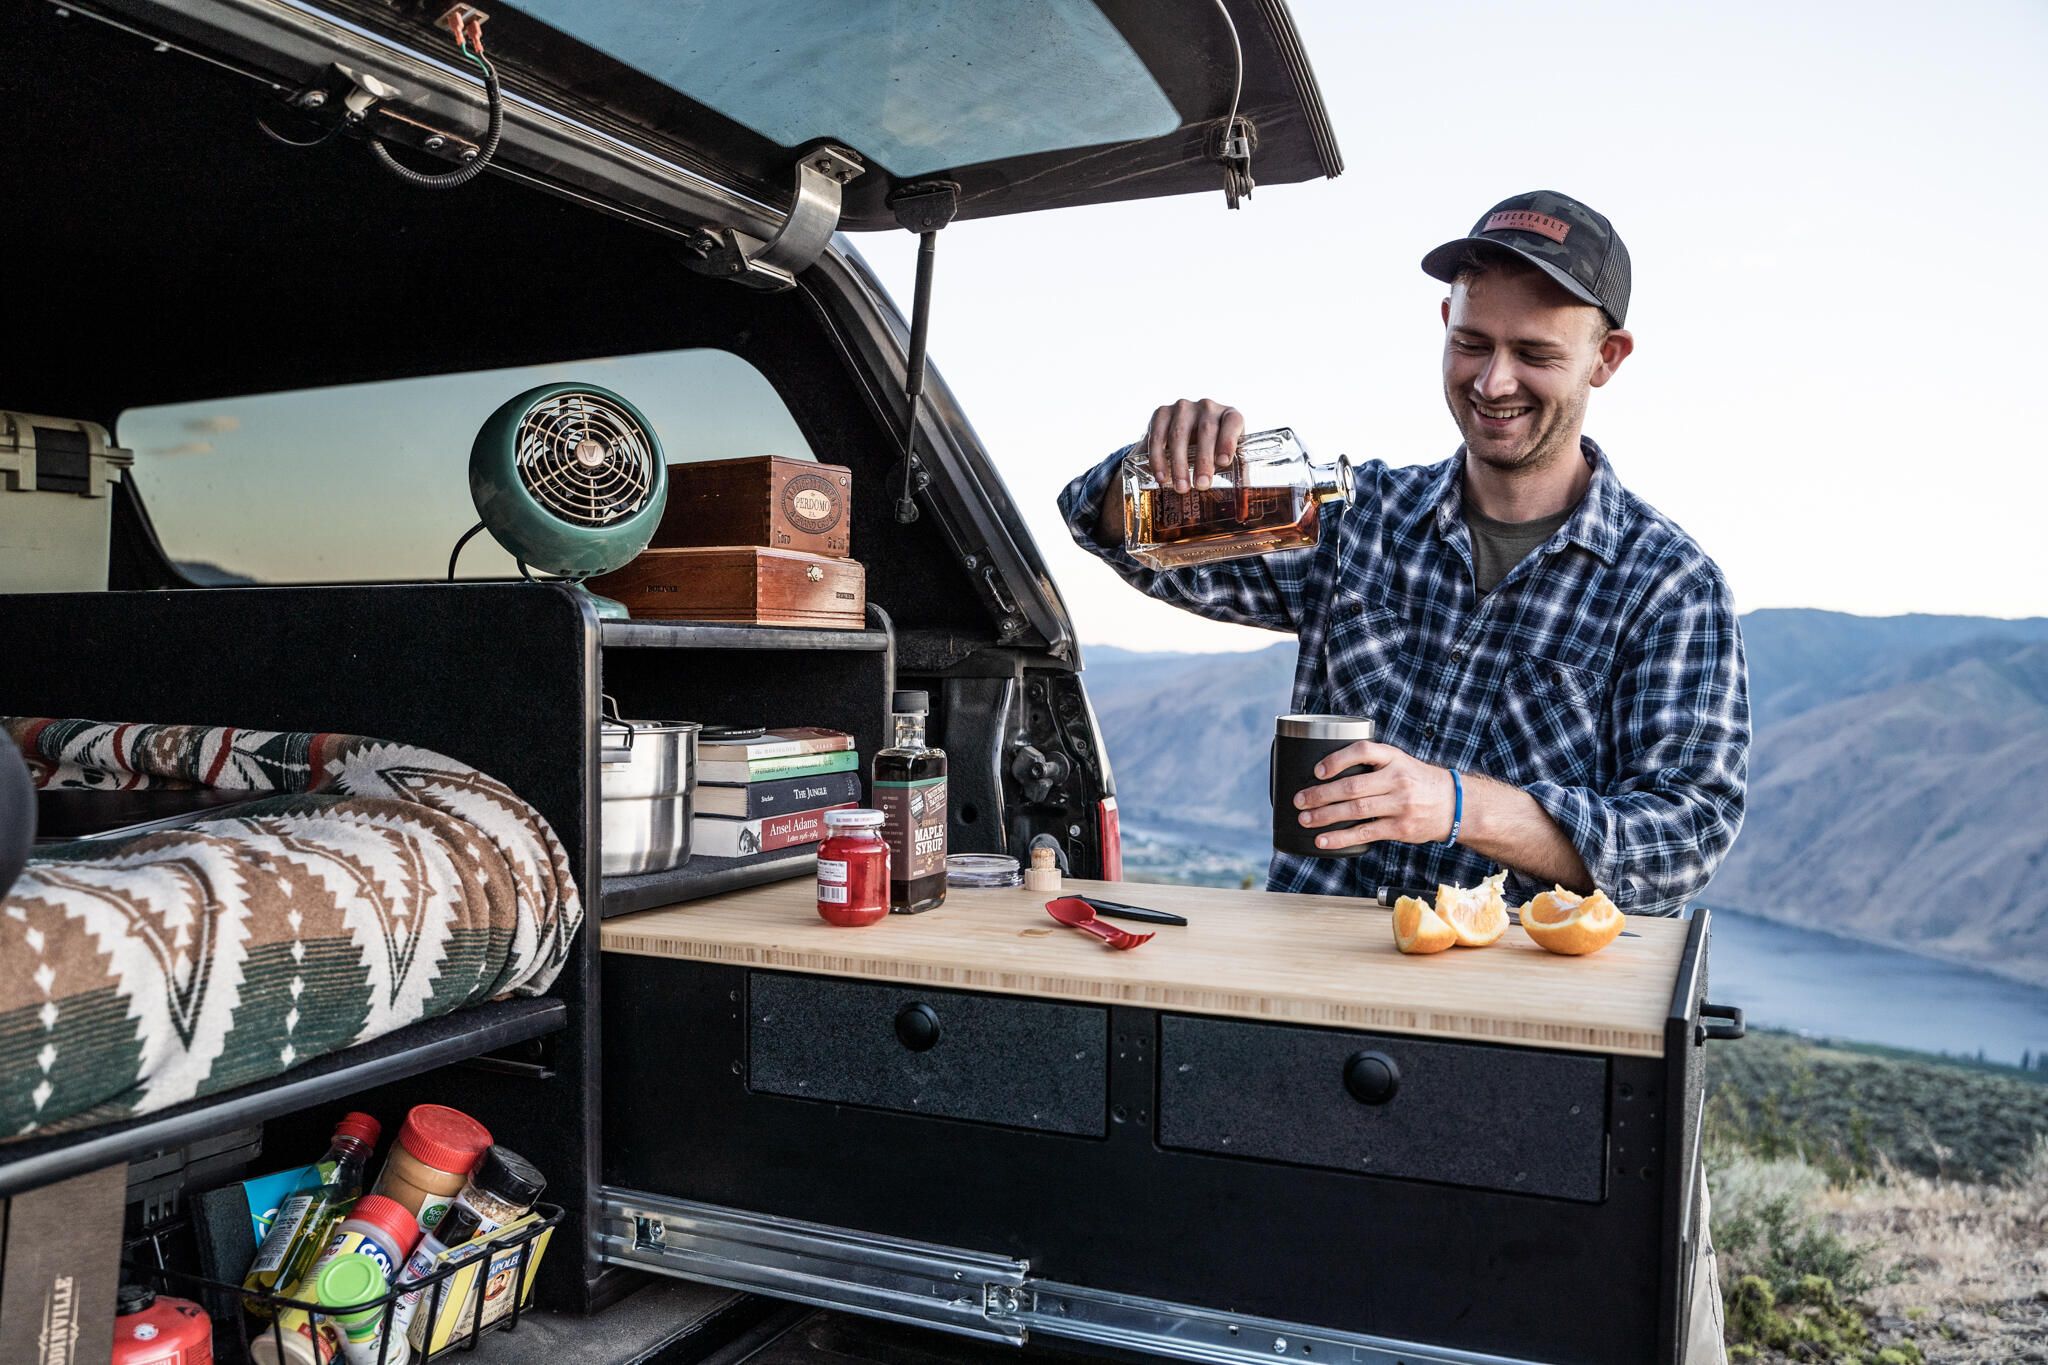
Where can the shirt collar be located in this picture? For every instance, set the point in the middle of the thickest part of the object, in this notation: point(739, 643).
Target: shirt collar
point(1597, 523)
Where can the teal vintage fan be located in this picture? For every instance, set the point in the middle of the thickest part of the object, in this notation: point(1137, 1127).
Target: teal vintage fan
point(570, 479)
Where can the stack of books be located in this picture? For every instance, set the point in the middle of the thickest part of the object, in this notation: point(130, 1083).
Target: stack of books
point(772, 791)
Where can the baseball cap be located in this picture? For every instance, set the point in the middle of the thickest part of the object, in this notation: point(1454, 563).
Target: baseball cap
point(1559, 236)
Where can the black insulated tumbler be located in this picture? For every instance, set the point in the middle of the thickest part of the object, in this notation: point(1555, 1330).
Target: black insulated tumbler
point(1299, 743)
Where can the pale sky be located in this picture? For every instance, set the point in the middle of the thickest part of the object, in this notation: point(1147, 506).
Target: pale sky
point(1834, 210)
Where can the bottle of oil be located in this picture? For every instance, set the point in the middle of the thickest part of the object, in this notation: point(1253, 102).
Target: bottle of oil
point(299, 1232)
point(910, 790)
point(1267, 500)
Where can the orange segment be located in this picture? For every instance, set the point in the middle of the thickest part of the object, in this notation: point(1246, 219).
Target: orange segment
point(1478, 915)
point(1419, 929)
point(1565, 922)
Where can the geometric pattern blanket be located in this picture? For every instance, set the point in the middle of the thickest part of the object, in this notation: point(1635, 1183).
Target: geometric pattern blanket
point(379, 885)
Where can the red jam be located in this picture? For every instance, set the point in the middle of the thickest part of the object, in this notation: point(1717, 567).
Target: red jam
point(853, 869)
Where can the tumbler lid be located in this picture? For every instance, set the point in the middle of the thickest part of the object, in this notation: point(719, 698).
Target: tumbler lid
point(1347, 728)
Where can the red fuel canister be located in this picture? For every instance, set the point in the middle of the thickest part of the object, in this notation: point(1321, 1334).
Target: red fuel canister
point(154, 1329)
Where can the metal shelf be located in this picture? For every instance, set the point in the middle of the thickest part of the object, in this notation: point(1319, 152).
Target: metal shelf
point(708, 635)
point(431, 1043)
point(703, 876)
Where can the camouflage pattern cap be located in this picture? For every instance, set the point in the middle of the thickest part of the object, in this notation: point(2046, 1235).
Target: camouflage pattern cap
point(1559, 236)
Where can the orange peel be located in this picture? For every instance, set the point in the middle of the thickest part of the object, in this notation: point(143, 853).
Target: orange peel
point(1562, 921)
point(1419, 929)
point(1478, 915)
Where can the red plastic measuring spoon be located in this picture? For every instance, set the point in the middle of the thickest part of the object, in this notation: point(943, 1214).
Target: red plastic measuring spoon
point(1079, 914)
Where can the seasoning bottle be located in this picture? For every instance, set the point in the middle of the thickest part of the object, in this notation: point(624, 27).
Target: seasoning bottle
point(853, 869)
point(302, 1225)
point(436, 1150)
point(504, 1186)
point(910, 787)
point(382, 1229)
point(1269, 499)
point(347, 1282)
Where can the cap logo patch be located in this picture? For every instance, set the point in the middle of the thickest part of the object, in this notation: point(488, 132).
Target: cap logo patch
point(1526, 220)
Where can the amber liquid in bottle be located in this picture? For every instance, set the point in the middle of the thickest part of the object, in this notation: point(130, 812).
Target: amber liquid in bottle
point(1204, 524)
point(910, 790)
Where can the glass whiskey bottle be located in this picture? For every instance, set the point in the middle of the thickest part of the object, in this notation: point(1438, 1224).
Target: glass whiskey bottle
point(1268, 500)
point(910, 789)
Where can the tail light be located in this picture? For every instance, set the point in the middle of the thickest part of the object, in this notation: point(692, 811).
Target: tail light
point(1112, 840)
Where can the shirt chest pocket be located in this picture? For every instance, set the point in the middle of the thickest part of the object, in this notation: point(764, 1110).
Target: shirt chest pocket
point(1550, 724)
point(1360, 658)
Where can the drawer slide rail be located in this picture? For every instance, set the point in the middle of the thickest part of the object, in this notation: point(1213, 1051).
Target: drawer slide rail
point(966, 1292)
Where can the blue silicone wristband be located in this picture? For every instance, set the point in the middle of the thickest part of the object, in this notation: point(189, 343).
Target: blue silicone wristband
point(1457, 808)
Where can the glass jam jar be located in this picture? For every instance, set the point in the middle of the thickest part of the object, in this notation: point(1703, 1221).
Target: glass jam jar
point(853, 869)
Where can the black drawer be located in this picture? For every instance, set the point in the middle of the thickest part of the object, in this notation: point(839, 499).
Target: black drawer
point(986, 1058)
point(1496, 1118)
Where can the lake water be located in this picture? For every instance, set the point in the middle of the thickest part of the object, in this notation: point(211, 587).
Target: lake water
point(1816, 983)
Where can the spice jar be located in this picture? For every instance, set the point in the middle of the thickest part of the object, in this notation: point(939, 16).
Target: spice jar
point(382, 1229)
point(504, 1186)
point(853, 869)
point(357, 1282)
point(436, 1150)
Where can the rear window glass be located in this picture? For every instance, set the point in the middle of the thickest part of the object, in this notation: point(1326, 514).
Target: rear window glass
point(918, 85)
point(370, 482)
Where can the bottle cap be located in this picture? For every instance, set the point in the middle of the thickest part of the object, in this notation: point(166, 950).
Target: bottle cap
point(360, 1126)
point(347, 1281)
point(509, 1176)
point(911, 703)
point(457, 1226)
point(853, 819)
point(446, 1139)
point(389, 1217)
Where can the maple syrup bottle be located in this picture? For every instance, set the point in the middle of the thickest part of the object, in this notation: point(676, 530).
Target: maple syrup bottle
point(910, 789)
point(1267, 501)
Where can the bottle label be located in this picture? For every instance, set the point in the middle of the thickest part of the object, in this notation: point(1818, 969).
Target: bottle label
point(283, 1229)
point(914, 824)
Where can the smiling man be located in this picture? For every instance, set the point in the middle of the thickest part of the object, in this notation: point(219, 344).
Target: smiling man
point(1553, 666)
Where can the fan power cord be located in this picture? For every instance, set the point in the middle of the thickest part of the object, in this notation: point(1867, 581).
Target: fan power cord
point(456, 553)
point(471, 44)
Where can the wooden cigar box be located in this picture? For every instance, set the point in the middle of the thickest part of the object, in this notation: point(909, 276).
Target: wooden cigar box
point(741, 584)
point(771, 501)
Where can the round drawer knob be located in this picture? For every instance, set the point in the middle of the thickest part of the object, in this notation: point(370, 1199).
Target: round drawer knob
point(917, 1027)
point(1371, 1077)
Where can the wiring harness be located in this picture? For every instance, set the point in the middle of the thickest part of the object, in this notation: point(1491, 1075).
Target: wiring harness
point(468, 27)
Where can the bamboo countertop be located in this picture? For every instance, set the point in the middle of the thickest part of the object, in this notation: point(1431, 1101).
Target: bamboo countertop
point(1326, 960)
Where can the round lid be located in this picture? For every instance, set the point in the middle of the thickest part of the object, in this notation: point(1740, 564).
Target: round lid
point(133, 1298)
point(1323, 727)
point(982, 869)
point(853, 819)
point(356, 1124)
point(444, 1138)
point(910, 703)
point(727, 734)
point(389, 1217)
point(458, 1225)
point(509, 1176)
point(349, 1280)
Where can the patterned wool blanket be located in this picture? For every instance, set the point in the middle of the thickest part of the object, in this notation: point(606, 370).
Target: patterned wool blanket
point(380, 885)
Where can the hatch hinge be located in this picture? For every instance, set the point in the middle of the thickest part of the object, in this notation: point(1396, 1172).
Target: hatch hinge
point(57, 455)
point(821, 177)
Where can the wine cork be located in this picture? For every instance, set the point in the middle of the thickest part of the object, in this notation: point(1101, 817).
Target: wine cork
point(1044, 872)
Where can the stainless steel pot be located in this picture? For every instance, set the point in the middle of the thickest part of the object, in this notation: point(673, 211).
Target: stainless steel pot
point(647, 770)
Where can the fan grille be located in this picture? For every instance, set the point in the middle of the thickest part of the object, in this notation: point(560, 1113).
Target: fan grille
point(585, 459)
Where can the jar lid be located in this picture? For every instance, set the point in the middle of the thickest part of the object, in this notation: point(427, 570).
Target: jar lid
point(389, 1217)
point(349, 1280)
point(446, 1139)
point(361, 1126)
point(982, 869)
point(853, 819)
point(509, 1176)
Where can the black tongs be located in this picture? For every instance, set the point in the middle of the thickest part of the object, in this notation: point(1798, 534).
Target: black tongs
point(1118, 910)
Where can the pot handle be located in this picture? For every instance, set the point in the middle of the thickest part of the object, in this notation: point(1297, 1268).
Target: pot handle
point(608, 710)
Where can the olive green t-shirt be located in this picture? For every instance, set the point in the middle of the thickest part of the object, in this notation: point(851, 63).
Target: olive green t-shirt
point(1497, 546)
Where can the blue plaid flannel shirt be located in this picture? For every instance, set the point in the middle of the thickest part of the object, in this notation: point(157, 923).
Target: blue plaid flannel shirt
point(1604, 675)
